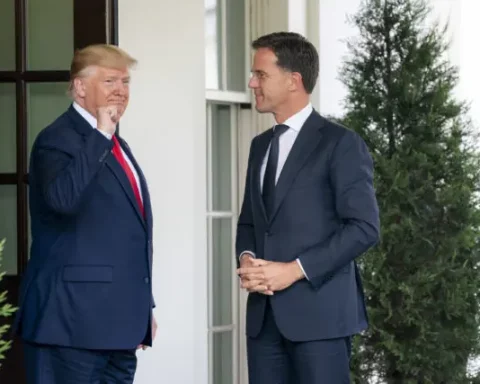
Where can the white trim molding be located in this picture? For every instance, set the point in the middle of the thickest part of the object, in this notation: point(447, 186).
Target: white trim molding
point(228, 96)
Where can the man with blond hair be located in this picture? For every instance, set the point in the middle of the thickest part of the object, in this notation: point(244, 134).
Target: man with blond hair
point(86, 297)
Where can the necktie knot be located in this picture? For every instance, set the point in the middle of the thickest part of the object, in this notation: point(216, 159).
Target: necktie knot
point(116, 144)
point(280, 129)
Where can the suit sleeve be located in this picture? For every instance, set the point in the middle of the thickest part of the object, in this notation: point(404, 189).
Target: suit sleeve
point(351, 176)
point(63, 177)
point(245, 240)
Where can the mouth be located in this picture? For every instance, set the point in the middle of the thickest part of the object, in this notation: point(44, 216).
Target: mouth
point(258, 99)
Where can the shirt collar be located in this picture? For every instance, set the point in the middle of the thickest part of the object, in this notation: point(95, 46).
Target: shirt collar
point(296, 121)
point(85, 114)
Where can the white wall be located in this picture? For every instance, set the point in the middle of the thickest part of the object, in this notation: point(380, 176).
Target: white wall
point(165, 127)
point(333, 31)
point(466, 47)
point(464, 31)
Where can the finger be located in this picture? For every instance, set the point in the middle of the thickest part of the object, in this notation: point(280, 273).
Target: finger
point(258, 288)
point(246, 263)
point(259, 262)
point(253, 276)
point(114, 114)
point(248, 270)
point(251, 284)
point(262, 291)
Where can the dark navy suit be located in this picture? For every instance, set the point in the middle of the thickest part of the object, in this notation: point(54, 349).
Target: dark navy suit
point(326, 215)
point(87, 286)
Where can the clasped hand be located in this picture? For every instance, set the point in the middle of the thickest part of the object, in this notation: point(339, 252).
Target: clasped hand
point(267, 277)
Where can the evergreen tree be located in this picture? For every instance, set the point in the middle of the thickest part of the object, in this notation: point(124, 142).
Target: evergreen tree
point(6, 310)
point(422, 279)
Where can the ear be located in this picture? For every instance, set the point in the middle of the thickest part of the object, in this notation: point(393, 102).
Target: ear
point(79, 86)
point(296, 81)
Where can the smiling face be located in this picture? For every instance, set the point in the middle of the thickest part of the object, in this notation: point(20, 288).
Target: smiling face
point(270, 83)
point(101, 87)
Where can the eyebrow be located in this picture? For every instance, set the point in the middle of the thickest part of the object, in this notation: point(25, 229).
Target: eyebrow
point(117, 77)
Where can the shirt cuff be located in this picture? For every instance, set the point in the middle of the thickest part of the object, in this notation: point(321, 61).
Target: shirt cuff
point(301, 267)
point(107, 135)
point(250, 253)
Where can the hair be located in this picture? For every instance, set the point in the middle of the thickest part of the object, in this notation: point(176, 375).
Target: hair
point(294, 54)
point(101, 55)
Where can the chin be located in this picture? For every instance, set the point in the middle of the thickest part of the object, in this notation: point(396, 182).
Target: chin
point(262, 109)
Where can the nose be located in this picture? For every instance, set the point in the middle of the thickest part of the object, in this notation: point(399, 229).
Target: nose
point(253, 82)
point(121, 88)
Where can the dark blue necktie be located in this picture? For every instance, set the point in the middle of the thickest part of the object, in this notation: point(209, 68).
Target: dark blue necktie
point(268, 192)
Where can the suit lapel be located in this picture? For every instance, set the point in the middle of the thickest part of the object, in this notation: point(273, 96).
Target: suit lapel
point(121, 176)
point(81, 125)
point(307, 140)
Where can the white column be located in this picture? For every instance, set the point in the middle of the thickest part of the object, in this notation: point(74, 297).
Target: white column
point(247, 129)
point(267, 16)
point(165, 125)
point(313, 34)
point(297, 16)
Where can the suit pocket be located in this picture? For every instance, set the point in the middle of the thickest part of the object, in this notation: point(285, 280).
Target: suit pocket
point(88, 273)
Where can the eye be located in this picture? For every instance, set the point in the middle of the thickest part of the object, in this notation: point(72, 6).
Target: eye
point(258, 75)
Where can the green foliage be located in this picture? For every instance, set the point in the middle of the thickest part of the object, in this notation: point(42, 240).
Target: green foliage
point(6, 310)
point(422, 280)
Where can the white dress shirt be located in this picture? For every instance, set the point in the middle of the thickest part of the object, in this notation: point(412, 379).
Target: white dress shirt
point(93, 122)
point(285, 144)
point(286, 141)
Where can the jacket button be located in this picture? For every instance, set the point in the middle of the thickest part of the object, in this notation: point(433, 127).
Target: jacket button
point(147, 280)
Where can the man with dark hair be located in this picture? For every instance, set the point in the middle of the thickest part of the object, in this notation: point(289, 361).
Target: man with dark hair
point(309, 211)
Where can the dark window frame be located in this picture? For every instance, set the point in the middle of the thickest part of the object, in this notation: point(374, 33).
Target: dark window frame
point(90, 26)
point(94, 22)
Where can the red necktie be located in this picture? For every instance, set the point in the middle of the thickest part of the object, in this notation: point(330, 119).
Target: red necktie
point(117, 152)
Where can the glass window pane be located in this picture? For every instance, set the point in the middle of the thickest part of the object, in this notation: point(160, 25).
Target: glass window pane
point(222, 271)
point(50, 34)
point(8, 147)
point(46, 101)
point(8, 227)
point(222, 358)
point(213, 44)
point(7, 33)
point(236, 46)
point(221, 148)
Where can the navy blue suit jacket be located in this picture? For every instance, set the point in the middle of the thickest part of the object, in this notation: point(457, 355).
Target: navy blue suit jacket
point(326, 215)
point(88, 280)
